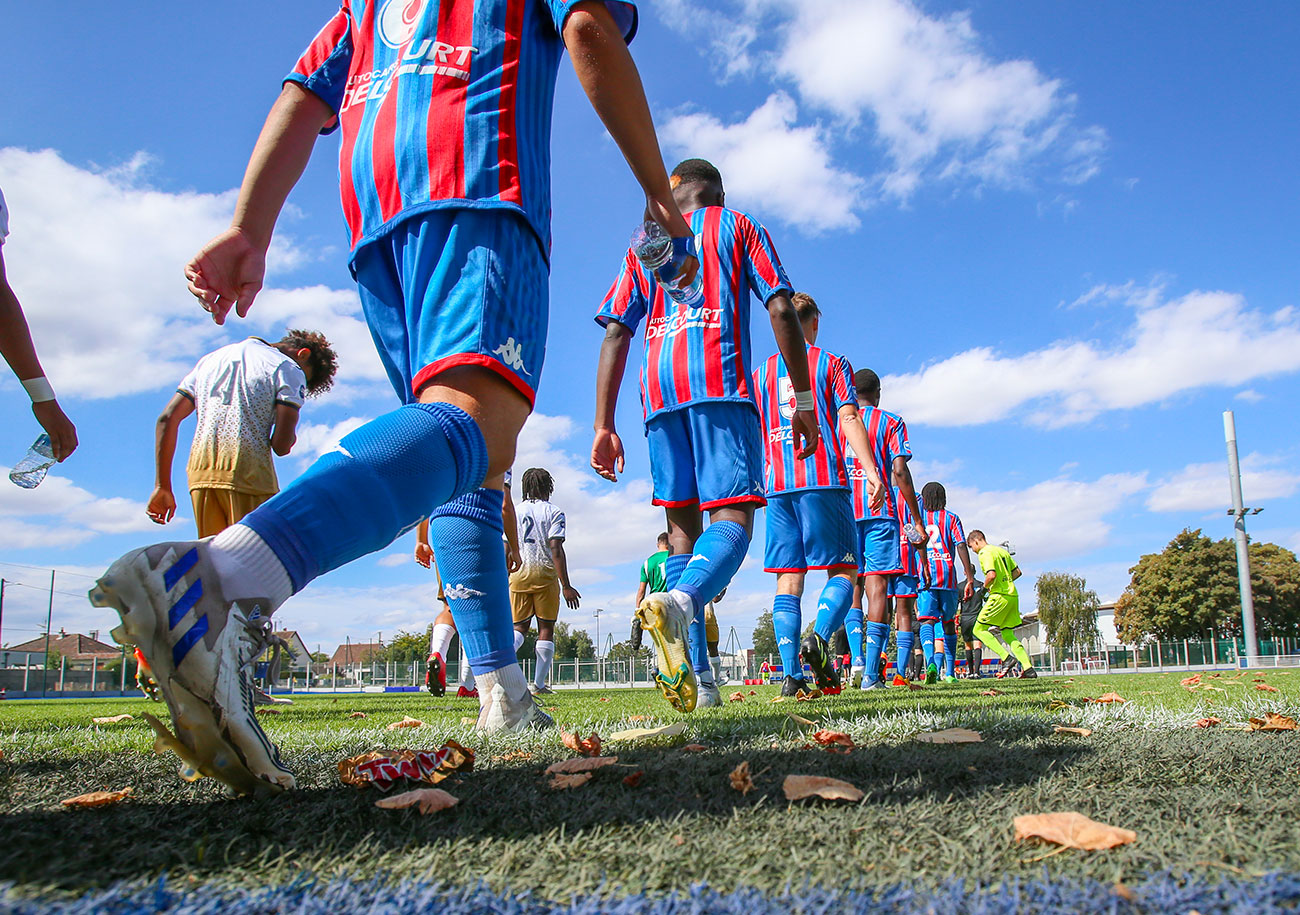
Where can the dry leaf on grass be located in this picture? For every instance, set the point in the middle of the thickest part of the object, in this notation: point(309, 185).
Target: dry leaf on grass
point(406, 722)
point(693, 748)
point(589, 746)
point(1266, 688)
point(569, 780)
point(1057, 703)
point(828, 738)
point(1073, 830)
point(1108, 698)
point(115, 719)
point(357, 715)
point(634, 779)
point(98, 798)
point(1079, 732)
point(429, 800)
point(951, 735)
point(915, 686)
point(778, 698)
point(1193, 680)
point(807, 695)
point(383, 769)
point(635, 718)
point(668, 730)
point(604, 698)
point(800, 719)
point(798, 787)
point(267, 710)
point(741, 779)
point(580, 764)
point(752, 693)
point(737, 696)
point(990, 692)
point(1208, 722)
point(1272, 721)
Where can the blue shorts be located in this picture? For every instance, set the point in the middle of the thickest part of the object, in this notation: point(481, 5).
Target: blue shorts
point(879, 546)
point(809, 529)
point(449, 288)
point(708, 453)
point(903, 586)
point(937, 604)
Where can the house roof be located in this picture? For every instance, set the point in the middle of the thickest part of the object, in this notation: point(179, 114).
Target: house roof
point(71, 645)
point(356, 652)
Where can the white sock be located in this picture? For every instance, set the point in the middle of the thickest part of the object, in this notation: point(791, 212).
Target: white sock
point(248, 567)
point(510, 677)
point(715, 664)
point(545, 654)
point(440, 641)
point(519, 640)
point(466, 672)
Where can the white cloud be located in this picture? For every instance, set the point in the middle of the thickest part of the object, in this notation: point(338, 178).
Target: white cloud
point(96, 259)
point(1249, 395)
point(767, 158)
point(393, 560)
point(1200, 340)
point(314, 439)
point(60, 513)
point(1199, 487)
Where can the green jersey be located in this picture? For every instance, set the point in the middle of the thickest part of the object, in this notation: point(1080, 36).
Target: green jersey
point(996, 559)
point(653, 573)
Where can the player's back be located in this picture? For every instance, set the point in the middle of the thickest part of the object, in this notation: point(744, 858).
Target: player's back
point(945, 531)
point(887, 434)
point(831, 379)
point(998, 560)
point(540, 522)
point(701, 353)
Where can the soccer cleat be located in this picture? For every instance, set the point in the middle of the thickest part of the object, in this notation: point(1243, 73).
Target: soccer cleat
point(200, 650)
point(900, 680)
point(1029, 674)
point(663, 616)
point(262, 697)
point(872, 684)
point(464, 693)
point(435, 677)
point(855, 676)
point(636, 634)
point(709, 696)
point(948, 679)
point(792, 686)
point(499, 713)
point(931, 674)
point(539, 690)
point(817, 654)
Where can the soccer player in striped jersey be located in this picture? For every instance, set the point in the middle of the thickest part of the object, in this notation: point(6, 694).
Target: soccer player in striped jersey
point(706, 450)
point(912, 578)
point(879, 531)
point(809, 506)
point(937, 604)
point(444, 112)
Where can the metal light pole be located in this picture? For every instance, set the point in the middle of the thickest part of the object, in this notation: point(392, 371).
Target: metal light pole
point(1243, 552)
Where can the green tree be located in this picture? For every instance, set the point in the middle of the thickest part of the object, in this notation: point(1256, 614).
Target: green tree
point(320, 657)
point(764, 637)
point(573, 643)
point(406, 647)
point(1068, 609)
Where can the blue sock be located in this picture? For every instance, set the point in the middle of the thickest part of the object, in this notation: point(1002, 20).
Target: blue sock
point(853, 629)
point(877, 639)
point(718, 554)
point(466, 538)
point(927, 642)
point(950, 654)
point(787, 620)
point(674, 566)
point(833, 606)
point(905, 641)
point(381, 480)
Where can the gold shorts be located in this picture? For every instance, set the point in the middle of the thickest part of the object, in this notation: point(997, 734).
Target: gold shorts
point(534, 594)
point(217, 509)
point(710, 625)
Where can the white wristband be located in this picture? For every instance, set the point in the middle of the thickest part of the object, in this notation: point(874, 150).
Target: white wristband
point(38, 389)
point(804, 400)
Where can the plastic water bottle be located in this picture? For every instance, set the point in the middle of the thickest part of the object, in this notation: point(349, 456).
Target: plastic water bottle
point(29, 472)
point(653, 247)
point(913, 533)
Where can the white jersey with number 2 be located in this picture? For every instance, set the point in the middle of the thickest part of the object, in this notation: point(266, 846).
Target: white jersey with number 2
point(539, 524)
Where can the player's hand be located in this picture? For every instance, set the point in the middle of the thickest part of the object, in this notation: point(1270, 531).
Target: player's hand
point(686, 272)
point(513, 561)
point(161, 507)
point(607, 454)
point(804, 423)
point(227, 272)
point(571, 597)
point(967, 589)
point(424, 555)
point(62, 433)
point(875, 492)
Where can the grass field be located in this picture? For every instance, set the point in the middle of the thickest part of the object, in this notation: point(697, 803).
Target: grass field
point(1216, 809)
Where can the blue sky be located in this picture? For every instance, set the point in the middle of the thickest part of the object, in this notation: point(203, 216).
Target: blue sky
point(1065, 236)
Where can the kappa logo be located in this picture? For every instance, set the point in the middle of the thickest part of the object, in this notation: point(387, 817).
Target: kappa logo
point(849, 557)
point(512, 354)
point(700, 556)
point(785, 640)
point(397, 21)
point(461, 592)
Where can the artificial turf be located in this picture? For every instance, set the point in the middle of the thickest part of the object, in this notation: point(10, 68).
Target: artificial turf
point(1207, 804)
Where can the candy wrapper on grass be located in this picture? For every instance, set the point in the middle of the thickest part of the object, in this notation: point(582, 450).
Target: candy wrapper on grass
point(385, 768)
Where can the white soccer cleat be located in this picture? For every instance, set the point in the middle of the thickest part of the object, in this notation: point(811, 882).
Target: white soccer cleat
point(499, 713)
point(709, 696)
point(201, 649)
point(855, 676)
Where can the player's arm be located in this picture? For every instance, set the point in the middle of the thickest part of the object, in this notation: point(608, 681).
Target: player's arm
point(20, 352)
point(561, 561)
point(903, 480)
point(229, 270)
point(855, 433)
point(284, 432)
point(794, 350)
point(964, 555)
point(423, 552)
point(606, 446)
point(510, 522)
point(1015, 572)
point(161, 507)
point(989, 577)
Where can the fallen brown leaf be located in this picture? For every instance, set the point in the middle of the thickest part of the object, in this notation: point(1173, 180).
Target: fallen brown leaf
point(1080, 732)
point(829, 738)
point(1073, 830)
point(1266, 688)
point(1190, 681)
point(573, 780)
point(429, 800)
point(693, 748)
point(1057, 703)
point(807, 695)
point(951, 735)
point(634, 779)
point(668, 730)
point(267, 710)
point(604, 698)
point(115, 719)
point(406, 722)
point(513, 755)
point(357, 715)
point(98, 798)
point(1208, 722)
point(635, 718)
point(1108, 698)
point(679, 839)
point(741, 779)
point(1272, 721)
point(1123, 891)
point(737, 696)
point(589, 746)
point(800, 719)
point(798, 787)
point(915, 686)
point(990, 692)
point(580, 764)
point(752, 693)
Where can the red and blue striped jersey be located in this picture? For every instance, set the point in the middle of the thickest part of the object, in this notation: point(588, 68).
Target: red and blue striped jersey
point(443, 104)
point(945, 533)
point(911, 554)
point(700, 353)
point(832, 387)
point(888, 436)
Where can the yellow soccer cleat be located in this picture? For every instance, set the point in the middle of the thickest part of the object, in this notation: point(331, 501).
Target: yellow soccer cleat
point(663, 616)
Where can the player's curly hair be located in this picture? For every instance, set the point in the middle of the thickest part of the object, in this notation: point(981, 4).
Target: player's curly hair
point(537, 484)
point(323, 362)
point(866, 383)
point(805, 305)
point(934, 496)
point(698, 171)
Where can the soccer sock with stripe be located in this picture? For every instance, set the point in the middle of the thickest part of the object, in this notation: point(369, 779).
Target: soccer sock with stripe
point(380, 481)
point(904, 642)
point(950, 654)
point(927, 642)
point(877, 639)
point(833, 605)
point(718, 554)
point(545, 654)
point(786, 622)
point(674, 566)
point(853, 621)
